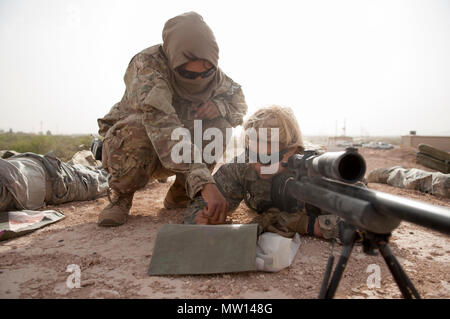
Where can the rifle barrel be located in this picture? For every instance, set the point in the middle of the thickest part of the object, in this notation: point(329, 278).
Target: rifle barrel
point(358, 212)
point(417, 212)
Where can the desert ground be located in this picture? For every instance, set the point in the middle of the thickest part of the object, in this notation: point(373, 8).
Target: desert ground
point(114, 261)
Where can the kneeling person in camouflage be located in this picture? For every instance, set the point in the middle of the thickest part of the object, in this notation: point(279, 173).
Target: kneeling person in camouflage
point(168, 87)
point(246, 182)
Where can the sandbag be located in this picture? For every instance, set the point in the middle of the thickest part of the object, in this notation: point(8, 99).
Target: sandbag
point(434, 152)
point(433, 163)
point(275, 252)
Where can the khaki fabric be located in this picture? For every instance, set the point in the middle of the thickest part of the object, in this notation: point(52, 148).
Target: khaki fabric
point(434, 183)
point(187, 37)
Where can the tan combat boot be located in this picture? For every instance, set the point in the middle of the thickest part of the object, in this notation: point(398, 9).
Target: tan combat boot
point(176, 196)
point(116, 213)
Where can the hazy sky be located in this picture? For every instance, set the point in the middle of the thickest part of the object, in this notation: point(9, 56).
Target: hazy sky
point(382, 66)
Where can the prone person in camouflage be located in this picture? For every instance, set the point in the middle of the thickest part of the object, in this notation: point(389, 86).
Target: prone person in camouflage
point(246, 181)
point(168, 86)
point(31, 181)
point(434, 183)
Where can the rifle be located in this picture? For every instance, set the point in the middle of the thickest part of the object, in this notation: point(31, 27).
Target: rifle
point(96, 148)
point(330, 182)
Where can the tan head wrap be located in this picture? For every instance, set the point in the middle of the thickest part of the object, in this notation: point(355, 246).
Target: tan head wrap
point(187, 37)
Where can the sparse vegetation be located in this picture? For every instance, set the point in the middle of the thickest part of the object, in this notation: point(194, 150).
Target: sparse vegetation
point(63, 146)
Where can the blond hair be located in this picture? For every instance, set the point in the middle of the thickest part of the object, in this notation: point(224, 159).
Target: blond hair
point(280, 117)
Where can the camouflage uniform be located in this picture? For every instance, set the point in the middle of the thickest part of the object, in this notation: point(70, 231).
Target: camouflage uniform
point(30, 181)
point(137, 130)
point(239, 181)
point(434, 183)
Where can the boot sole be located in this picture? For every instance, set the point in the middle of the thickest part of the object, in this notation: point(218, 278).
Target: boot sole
point(109, 223)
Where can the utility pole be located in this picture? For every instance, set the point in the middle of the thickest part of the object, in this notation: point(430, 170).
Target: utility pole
point(344, 129)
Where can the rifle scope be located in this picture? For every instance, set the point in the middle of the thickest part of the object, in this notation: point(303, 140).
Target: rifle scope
point(348, 167)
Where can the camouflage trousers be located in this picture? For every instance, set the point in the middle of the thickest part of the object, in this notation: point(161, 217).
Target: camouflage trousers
point(7, 201)
point(129, 157)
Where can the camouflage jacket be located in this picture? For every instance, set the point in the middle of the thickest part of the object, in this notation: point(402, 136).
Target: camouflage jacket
point(150, 93)
point(236, 182)
point(239, 181)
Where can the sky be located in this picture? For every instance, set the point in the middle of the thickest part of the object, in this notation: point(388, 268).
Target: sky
point(375, 67)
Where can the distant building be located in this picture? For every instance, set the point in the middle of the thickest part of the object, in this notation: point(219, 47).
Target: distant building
point(413, 140)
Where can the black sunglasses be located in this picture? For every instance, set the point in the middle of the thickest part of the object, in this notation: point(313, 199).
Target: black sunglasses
point(193, 75)
point(267, 160)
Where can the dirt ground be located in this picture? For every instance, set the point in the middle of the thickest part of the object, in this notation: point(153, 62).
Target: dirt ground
point(114, 261)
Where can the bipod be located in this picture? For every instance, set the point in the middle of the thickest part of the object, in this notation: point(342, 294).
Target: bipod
point(370, 242)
